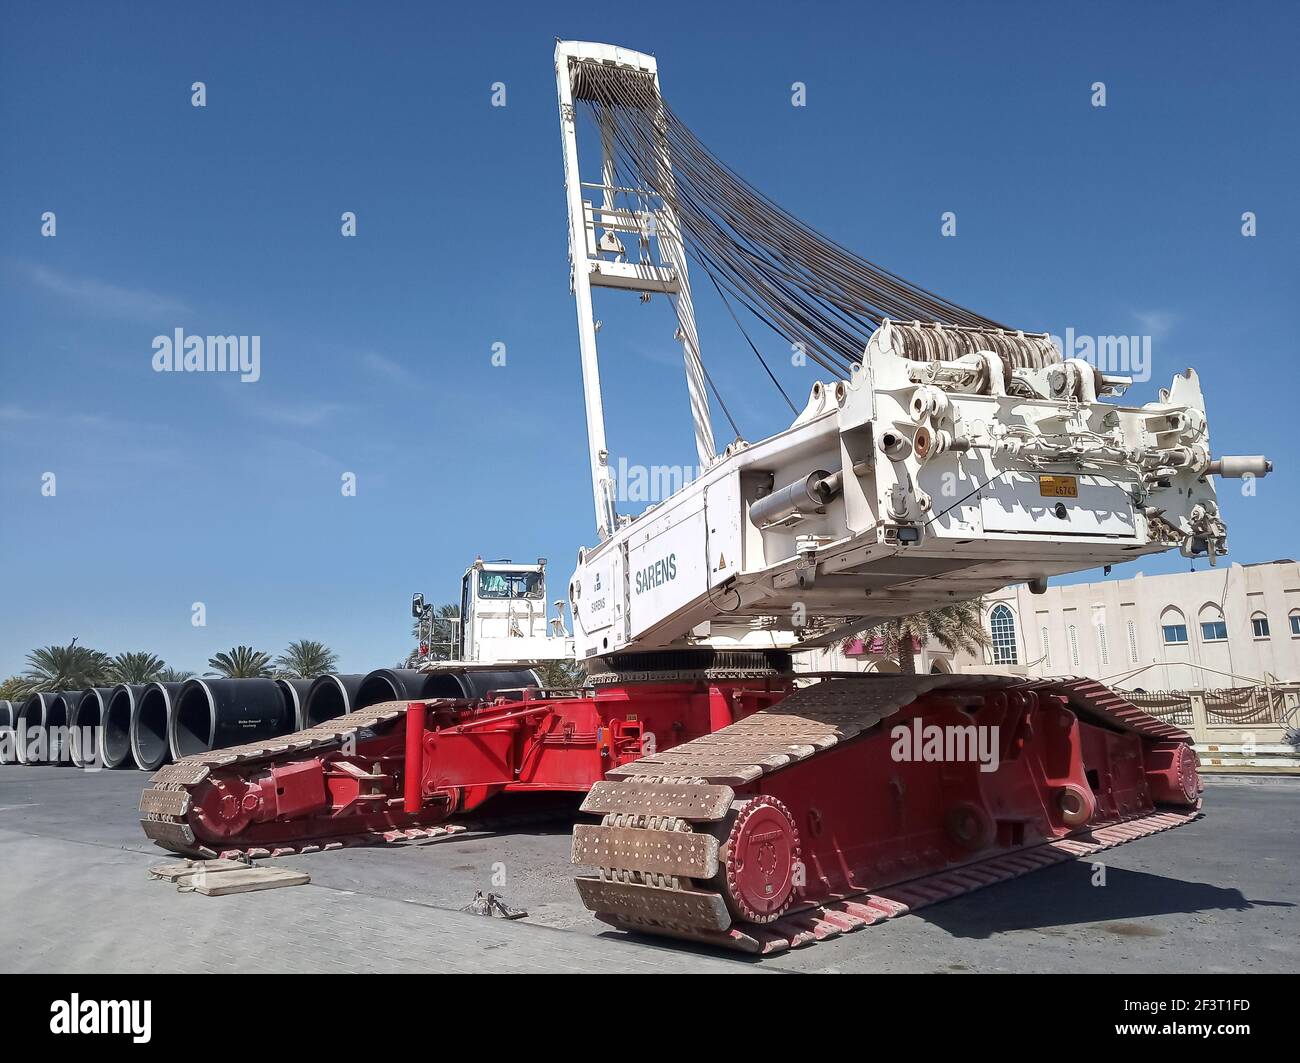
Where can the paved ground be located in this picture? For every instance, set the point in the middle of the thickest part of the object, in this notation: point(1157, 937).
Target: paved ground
point(1218, 895)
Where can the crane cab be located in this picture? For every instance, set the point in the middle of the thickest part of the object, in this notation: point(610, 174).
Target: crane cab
point(503, 615)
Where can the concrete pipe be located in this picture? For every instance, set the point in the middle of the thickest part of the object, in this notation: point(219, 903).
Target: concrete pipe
point(218, 713)
point(295, 699)
point(150, 747)
point(7, 740)
point(62, 710)
point(407, 684)
point(31, 737)
point(330, 697)
point(59, 720)
point(115, 731)
point(84, 725)
point(480, 683)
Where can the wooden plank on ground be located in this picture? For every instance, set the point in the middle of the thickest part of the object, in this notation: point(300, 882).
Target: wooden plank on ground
point(172, 872)
point(245, 880)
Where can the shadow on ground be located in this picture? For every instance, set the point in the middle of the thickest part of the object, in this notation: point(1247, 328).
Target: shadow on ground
point(1066, 896)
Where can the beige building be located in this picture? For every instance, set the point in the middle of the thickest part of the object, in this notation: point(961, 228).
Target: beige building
point(1231, 626)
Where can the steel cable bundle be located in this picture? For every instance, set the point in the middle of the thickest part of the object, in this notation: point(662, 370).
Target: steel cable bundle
point(800, 283)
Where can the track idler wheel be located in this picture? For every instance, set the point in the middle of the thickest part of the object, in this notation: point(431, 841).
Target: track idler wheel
point(1173, 774)
point(761, 860)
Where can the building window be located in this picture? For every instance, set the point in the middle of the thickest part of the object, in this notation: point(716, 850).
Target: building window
point(1002, 626)
point(1074, 646)
point(1259, 626)
point(1047, 643)
point(1132, 642)
point(1175, 634)
point(1295, 623)
point(1214, 631)
point(1101, 645)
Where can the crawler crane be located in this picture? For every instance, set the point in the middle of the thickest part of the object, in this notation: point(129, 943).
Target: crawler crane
point(944, 456)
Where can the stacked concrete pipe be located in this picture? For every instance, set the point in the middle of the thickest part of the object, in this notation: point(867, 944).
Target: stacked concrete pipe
point(87, 716)
point(295, 693)
point(408, 684)
point(59, 722)
point(330, 697)
point(34, 714)
point(115, 728)
point(8, 753)
point(150, 730)
point(218, 713)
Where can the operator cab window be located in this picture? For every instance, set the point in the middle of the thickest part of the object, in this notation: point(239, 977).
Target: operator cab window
point(505, 585)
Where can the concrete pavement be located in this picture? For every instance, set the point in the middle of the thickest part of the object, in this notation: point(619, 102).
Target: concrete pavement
point(1218, 895)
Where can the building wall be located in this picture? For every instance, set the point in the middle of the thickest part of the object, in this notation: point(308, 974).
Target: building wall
point(1114, 629)
point(932, 658)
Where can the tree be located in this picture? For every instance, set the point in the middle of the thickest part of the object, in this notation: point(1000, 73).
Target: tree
point(566, 675)
point(241, 662)
point(445, 643)
point(306, 659)
point(135, 668)
point(13, 689)
point(69, 667)
point(954, 627)
point(173, 675)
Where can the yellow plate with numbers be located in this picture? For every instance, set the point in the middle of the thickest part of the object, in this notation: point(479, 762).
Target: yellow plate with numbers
point(1058, 486)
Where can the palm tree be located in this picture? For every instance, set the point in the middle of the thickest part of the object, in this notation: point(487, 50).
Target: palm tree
point(135, 668)
point(954, 627)
point(445, 641)
point(567, 675)
point(69, 667)
point(173, 675)
point(241, 662)
point(306, 659)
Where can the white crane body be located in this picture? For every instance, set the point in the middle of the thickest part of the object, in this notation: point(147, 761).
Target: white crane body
point(951, 462)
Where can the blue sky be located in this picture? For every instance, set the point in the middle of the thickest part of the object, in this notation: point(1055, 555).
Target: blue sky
point(177, 488)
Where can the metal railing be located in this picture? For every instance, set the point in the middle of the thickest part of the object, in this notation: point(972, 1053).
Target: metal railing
point(1262, 712)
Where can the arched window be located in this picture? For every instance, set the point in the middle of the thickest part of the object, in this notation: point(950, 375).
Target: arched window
point(1173, 627)
point(1002, 626)
point(1046, 643)
point(1259, 626)
point(1101, 645)
point(1294, 618)
point(1214, 628)
point(1074, 646)
point(1132, 642)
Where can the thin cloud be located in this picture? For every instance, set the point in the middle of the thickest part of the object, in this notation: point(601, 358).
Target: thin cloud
point(1156, 323)
point(386, 367)
point(294, 414)
point(14, 414)
point(112, 300)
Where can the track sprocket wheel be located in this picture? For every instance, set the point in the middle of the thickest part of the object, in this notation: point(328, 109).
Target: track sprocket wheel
point(761, 860)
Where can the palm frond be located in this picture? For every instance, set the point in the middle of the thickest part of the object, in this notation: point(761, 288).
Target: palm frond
point(241, 662)
point(135, 668)
point(306, 659)
point(68, 667)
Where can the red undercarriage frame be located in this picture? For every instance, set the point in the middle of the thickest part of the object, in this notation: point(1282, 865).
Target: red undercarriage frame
point(849, 819)
point(885, 809)
point(467, 753)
